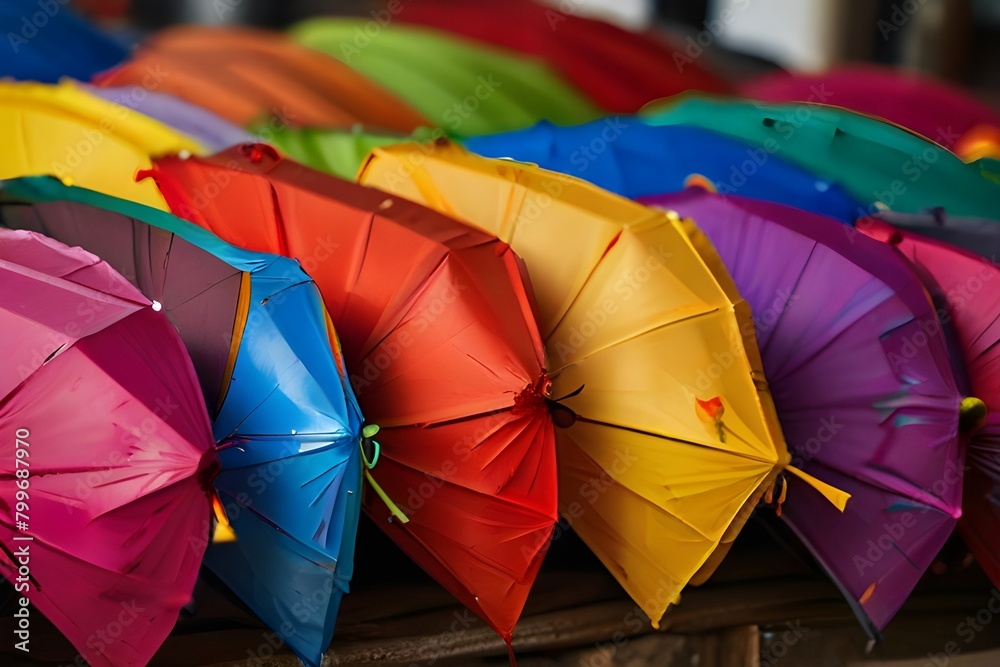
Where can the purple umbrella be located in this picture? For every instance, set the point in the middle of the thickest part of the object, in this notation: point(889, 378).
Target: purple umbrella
point(860, 374)
point(202, 125)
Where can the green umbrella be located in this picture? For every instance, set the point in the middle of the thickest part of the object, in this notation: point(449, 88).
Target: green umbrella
point(881, 164)
point(463, 87)
point(339, 151)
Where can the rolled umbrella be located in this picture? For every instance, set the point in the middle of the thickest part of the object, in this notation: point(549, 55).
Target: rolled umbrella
point(675, 437)
point(50, 41)
point(437, 325)
point(463, 87)
point(107, 454)
point(81, 139)
point(918, 102)
point(620, 70)
point(863, 385)
point(209, 130)
point(965, 285)
point(626, 156)
point(247, 75)
point(285, 419)
point(884, 166)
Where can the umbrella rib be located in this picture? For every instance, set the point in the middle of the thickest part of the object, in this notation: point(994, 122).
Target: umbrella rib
point(640, 431)
point(634, 336)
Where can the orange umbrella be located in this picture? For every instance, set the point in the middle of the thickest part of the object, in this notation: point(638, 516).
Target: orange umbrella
point(244, 74)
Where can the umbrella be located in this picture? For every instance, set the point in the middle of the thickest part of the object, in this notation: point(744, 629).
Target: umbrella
point(626, 156)
point(339, 151)
point(107, 454)
point(48, 41)
point(247, 75)
point(916, 101)
point(209, 130)
point(863, 386)
point(463, 87)
point(437, 326)
point(966, 286)
point(982, 141)
point(285, 419)
point(676, 437)
point(65, 132)
point(976, 234)
point(619, 69)
point(882, 165)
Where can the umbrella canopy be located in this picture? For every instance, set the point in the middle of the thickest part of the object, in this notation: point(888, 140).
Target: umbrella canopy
point(286, 421)
point(65, 132)
point(461, 86)
point(966, 286)
point(209, 130)
point(979, 235)
point(339, 151)
point(676, 437)
point(247, 75)
point(626, 156)
point(50, 41)
point(916, 101)
point(882, 165)
point(619, 69)
point(107, 453)
point(863, 386)
point(437, 323)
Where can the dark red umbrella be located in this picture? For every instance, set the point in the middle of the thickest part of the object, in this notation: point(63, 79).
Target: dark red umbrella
point(618, 69)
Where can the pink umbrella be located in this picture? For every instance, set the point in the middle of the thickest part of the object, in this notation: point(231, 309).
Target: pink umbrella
point(938, 111)
point(105, 454)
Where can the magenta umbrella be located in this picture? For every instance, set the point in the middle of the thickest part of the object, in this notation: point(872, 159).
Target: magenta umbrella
point(865, 392)
point(918, 102)
point(105, 454)
point(966, 286)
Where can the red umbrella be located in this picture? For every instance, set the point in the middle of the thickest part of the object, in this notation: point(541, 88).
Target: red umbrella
point(106, 454)
point(437, 327)
point(618, 69)
point(965, 286)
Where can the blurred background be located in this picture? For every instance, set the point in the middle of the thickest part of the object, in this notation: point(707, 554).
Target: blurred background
point(953, 39)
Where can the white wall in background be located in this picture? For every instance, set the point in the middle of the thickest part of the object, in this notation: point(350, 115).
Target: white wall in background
point(798, 34)
point(634, 14)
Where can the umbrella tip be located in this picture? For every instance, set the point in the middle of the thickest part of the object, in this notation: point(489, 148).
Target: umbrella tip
point(972, 413)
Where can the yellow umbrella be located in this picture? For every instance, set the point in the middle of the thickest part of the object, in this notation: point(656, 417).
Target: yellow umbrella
point(676, 435)
point(62, 131)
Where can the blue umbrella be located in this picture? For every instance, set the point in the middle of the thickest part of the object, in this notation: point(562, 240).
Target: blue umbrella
point(47, 41)
point(633, 159)
point(286, 420)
